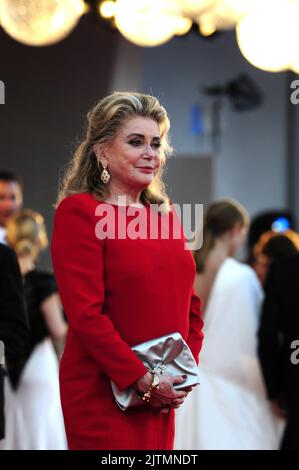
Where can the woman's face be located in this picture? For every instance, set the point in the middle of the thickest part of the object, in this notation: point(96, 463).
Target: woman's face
point(133, 156)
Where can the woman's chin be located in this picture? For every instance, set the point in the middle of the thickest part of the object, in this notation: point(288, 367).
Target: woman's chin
point(145, 180)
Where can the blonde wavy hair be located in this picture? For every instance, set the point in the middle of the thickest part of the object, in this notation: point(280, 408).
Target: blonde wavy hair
point(26, 233)
point(104, 120)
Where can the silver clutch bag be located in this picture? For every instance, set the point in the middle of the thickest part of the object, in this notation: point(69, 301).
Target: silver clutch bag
point(169, 355)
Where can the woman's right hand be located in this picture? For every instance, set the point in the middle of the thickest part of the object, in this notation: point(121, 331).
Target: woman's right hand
point(164, 397)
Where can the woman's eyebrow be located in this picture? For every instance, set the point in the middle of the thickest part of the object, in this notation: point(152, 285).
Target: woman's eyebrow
point(135, 134)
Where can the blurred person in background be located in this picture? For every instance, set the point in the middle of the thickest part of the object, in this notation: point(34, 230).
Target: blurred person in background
point(229, 410)
point(273, 246)
point(11, 199)
point(33, 411)
point(278, 345)
point(13, 320)
point(12, 311)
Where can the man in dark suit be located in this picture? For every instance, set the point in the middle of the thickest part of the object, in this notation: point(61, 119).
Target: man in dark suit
point(13, 320)
point(279, 344)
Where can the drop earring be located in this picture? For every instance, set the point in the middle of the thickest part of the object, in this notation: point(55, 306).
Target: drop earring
point(105, 175)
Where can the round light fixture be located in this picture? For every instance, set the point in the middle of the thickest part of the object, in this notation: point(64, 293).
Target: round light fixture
point(107, 9)
point(40, 23)
point(265, 36)
point(183, 25)
point(146, 22)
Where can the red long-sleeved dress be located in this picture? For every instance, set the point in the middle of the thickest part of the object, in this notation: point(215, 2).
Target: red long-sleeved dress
point(117, 293)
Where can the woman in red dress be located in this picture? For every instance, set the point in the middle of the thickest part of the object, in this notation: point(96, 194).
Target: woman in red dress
point(120, 287)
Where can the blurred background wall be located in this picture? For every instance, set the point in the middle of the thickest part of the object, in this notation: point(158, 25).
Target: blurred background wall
point(253, 146)
point(48, 91)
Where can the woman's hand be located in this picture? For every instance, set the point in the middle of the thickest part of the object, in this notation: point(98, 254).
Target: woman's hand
point(143, 384)
point(164, 397)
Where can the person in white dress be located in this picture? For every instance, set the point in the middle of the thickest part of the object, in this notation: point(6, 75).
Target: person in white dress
point(229, 409)
point(33, 416)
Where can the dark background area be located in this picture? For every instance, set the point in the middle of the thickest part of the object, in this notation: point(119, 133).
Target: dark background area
point(48, 91)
